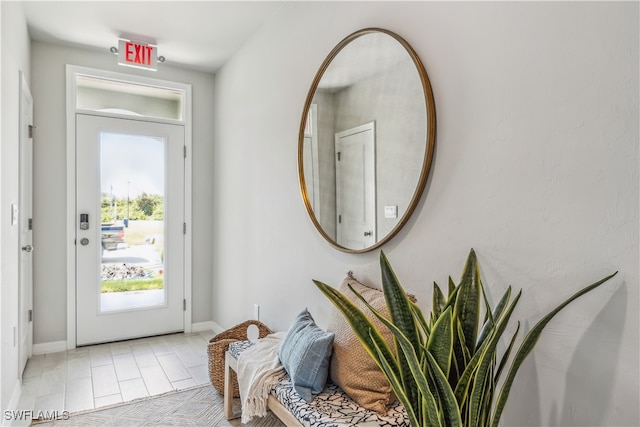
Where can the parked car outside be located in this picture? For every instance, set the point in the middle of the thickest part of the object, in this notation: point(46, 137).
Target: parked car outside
point(112, 236)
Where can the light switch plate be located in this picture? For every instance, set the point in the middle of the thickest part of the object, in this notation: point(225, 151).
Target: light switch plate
point(391, 211)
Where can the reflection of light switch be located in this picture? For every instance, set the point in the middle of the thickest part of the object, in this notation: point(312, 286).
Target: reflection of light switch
point(14, 214)
point(391, 211)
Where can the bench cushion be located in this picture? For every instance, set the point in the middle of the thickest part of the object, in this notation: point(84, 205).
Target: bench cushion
point(331, 408)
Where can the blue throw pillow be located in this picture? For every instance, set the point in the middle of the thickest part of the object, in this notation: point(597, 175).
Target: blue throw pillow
point(305, 354)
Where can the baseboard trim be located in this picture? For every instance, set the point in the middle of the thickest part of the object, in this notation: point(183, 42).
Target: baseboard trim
point(203, 326)
point(49, 347)
point(216, 328)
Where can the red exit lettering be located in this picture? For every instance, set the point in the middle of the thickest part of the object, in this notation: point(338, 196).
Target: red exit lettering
point(137, 53)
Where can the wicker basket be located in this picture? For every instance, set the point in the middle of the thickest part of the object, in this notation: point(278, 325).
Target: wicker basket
point(218, 347)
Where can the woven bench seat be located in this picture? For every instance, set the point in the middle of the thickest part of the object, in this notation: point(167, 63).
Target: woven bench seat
point(331, 408)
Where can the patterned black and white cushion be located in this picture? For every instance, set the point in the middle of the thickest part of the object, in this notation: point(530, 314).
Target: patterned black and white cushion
point(331, 408)
point(237, 347)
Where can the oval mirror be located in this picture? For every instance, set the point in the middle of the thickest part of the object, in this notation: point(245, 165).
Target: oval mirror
point(366, 140)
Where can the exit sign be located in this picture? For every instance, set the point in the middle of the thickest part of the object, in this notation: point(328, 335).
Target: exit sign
point(139, 55)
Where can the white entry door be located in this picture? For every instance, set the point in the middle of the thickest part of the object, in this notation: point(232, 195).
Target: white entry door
point(129, 228)
point(24, 217)
point(356, 187)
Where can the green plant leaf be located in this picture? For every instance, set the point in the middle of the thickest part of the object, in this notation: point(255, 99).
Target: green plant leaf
point(426, 398)
point(487, 400)
point(453, 293)
point(467, 309)
point(413, 380)
point(398, 387)
point(422, 322)
point(527, 345)
point(485, 363)
point(447, 399)
point(366, 332)
point(398, 302)
point(497, 312)
point(440, 343)
point(470, 374)
point(439, 302)
point(505, 356)
point(452, 288)
point(401, 315)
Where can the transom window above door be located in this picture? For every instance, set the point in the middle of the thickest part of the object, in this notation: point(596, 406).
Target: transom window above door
point(113, 96)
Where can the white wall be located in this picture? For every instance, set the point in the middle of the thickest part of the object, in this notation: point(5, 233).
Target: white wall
point(15, 57)
point(536, 167)
point(48, 88)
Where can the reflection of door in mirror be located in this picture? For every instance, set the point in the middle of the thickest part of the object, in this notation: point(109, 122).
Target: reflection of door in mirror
point(311, 177)
point(356, 187)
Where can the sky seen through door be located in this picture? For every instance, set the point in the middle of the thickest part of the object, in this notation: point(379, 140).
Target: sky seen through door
point(131, 165)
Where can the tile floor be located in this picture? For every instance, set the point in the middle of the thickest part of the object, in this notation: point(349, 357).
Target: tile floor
point(99, 375)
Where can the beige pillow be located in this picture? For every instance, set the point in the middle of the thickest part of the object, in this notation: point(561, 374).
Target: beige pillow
point(352, 368)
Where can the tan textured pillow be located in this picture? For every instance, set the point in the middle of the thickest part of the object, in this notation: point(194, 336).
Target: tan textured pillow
point(352, 368)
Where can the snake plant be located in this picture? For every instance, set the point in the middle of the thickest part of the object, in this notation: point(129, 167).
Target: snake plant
point(447, 367)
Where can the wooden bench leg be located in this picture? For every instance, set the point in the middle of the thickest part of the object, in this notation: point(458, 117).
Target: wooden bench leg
point(230, 367)
point(228, 387)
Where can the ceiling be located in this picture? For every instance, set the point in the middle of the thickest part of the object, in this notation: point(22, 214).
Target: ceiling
point(200, 35)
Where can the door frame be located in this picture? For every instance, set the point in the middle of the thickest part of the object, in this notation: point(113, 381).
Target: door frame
point(25, 321)
point(71, 110)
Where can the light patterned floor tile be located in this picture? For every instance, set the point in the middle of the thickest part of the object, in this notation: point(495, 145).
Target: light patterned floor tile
point(100, 356)
point(54, 360)
point(52, 381)
point(79, 395)
point(34, 366)
point(155, 380)
point(126, 367)
point(51, 402)
point(95, 376)
point(120, 347)
point(144, 355)
point(133, 389)
point(107, 400)
point(160, 346)
point(105, 381)
point(189, 357)
point(79, 367)
point(200, 374)
point(173, 367)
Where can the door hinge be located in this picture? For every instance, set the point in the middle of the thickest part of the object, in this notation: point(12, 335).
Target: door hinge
point(31, 128)
point(184, 305)
point(185, 151)
point(30, 315)
point(184, 228)
point(339, 219)
point(30, 224)
point(338, 155)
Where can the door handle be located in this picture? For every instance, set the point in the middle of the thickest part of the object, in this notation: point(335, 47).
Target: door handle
point(368, 233)
point(27, 248)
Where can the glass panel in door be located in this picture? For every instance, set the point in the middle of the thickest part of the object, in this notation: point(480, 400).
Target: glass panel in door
point(132, 221)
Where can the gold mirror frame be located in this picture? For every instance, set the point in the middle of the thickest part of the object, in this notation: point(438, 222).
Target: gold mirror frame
point(429, 143)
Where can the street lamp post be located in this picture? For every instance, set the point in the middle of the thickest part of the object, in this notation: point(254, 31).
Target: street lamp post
point(128, 204)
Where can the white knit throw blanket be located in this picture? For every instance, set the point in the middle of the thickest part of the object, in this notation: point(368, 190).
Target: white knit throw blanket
point(258, 369)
